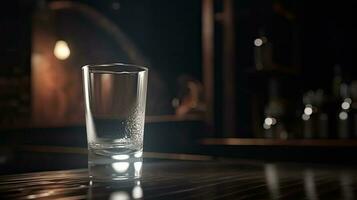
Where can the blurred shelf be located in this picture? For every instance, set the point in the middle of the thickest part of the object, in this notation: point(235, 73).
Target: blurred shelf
point(280, 142)
point(174, 118)
point(148, 119)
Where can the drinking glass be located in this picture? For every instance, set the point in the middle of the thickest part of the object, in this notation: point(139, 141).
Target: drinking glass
point(115, 100)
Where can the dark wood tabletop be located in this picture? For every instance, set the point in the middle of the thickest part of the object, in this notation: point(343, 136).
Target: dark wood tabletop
point(216, 179)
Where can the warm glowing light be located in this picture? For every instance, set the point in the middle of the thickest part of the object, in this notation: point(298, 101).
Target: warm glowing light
point(258, 42)
point(308, 110)
point(120, 157)
point(61, 50)
point(120, 167)
point(119, 196)
point(305, 117)
point(343, 115)
point(137, 192)
point(268, 121)
point(345, 105)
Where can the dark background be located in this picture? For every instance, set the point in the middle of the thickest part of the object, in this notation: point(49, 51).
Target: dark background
point(309, 40)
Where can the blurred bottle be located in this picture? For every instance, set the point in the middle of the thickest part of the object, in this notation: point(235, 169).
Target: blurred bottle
point(308, 129)
point(343, 110)
point(263, 53)
point(336, 81)
point(354, 107)
point(321, 112)
point(273, 124)
point(314, 116)
point(343, 119)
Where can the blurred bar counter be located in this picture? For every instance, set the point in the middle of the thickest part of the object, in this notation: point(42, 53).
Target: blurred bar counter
point(332, 151)
point(280, 142)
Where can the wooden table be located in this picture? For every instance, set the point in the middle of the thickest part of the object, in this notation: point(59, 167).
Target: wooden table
point(171, 179)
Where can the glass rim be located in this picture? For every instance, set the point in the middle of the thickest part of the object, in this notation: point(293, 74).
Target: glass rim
point(115, 68)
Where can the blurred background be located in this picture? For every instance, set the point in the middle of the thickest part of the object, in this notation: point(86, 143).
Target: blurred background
point(259, 79)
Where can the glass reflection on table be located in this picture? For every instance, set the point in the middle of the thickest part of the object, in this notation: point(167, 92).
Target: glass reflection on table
point(272, 180)
point(115, 190)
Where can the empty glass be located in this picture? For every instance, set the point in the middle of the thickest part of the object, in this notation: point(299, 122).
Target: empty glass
point(115, 99)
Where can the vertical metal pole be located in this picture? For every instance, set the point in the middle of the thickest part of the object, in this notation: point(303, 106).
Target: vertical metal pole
point(208, 59)
point(229, 98)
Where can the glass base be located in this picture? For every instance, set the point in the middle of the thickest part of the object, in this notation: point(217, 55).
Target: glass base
point(104, 166)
